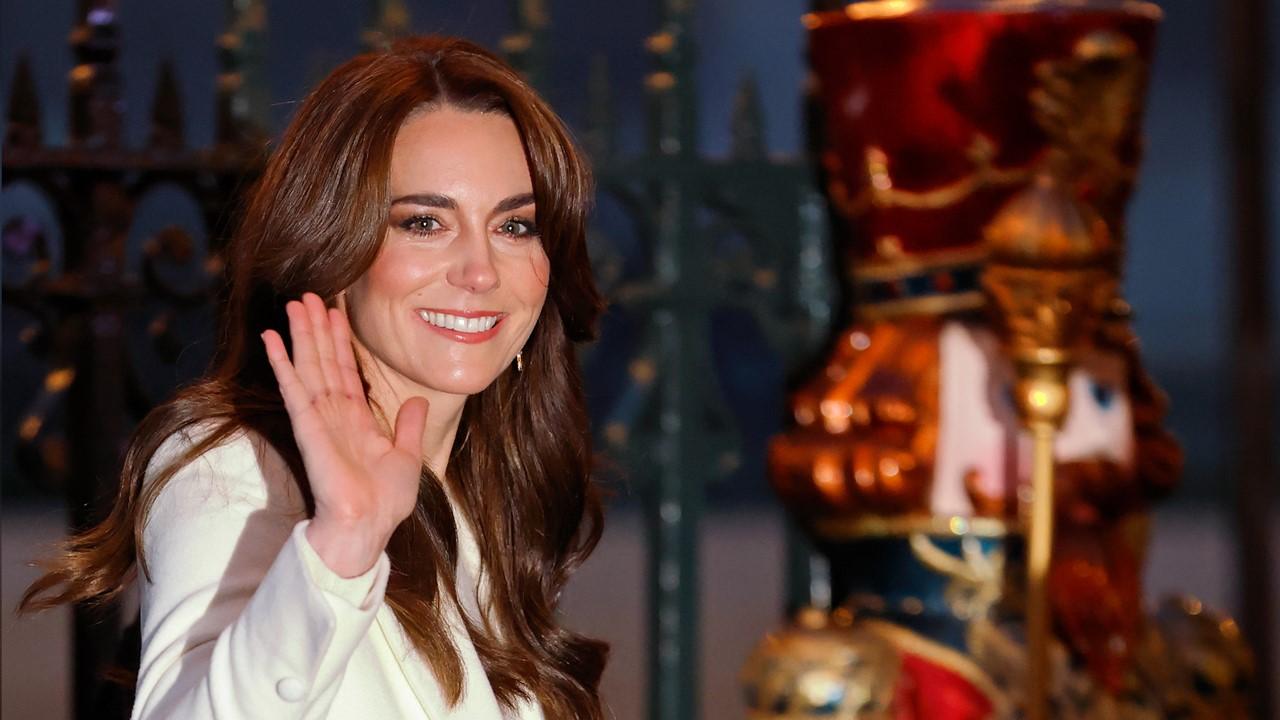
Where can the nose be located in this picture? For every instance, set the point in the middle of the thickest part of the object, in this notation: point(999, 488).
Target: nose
point(472, 267)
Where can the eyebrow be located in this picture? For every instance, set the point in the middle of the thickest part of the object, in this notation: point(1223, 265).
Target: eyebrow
point(444, 202)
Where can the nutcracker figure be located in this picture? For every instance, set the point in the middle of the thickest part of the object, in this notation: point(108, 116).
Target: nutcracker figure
point(978, 456)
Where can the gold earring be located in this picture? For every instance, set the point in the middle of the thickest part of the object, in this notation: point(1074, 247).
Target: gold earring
point(519, 361)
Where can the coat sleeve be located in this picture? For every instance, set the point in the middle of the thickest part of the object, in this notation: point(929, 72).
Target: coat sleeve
point(240, 617)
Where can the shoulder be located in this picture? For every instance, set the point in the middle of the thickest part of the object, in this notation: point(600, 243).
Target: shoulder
point(208, 466)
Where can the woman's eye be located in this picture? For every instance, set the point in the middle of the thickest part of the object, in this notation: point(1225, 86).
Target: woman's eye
point(420, 224)
point(518, 227)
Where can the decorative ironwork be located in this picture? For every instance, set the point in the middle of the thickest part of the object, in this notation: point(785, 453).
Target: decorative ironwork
point(111, 262)
point(713, 242)
point(243, 100)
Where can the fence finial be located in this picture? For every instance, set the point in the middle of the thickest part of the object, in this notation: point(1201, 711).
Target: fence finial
point(388, 21)
point(166, 111)
point(96, 105)
point(747, 125)
point(244, 98)
point(22, 126)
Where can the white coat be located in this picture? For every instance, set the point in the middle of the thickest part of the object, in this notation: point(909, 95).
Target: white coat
point(242, 620)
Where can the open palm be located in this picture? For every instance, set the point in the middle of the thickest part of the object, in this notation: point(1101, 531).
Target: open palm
point(363, 481)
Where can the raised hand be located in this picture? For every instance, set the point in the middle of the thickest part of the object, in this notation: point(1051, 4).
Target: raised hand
point(364, 483)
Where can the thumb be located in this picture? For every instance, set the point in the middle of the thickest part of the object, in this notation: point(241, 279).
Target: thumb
point(410, 422)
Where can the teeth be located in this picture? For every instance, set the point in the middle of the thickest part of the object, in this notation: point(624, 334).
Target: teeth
point(460, 324)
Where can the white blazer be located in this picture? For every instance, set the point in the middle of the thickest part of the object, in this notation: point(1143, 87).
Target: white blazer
point(242, 620)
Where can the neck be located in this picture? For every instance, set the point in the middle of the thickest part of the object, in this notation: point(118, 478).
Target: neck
point(387, 392)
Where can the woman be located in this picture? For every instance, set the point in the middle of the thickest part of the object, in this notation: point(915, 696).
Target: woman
point(376, 519)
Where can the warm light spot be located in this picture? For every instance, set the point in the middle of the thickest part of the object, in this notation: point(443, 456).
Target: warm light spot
point(805, 415)
point(30, 427)
point(878, 169)
point(817, 687)
point(1038, 398)
point(827, 476)
point(82, 73)
point(660, 81)
point(516, 43)
point(889, 246)
point(959, 526)
point(59, 380)
point(835, 415)
point(836, 408)
point(642, 371)
point(661, 42)
point(882, 9)
point(616, 433)
point(889, 467)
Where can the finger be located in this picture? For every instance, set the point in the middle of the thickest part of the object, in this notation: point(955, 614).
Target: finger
point(410, 422)
point(347, 366)
point(305, 359)
point(319, 316)
point(294, 393)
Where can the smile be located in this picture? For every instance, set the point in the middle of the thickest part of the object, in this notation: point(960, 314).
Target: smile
point(468, 327)
point(459, 323)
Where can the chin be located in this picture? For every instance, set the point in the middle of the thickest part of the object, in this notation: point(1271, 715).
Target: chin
point(467, 382)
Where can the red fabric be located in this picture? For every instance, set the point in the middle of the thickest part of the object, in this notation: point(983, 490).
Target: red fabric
point(929, 691)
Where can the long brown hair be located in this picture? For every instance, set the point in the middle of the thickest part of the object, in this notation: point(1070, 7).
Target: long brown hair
point(520, 468)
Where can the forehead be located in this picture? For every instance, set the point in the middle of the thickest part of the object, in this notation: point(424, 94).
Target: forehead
point(459, 153)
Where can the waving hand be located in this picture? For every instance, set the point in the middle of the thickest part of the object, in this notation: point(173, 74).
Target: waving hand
point(364, 483)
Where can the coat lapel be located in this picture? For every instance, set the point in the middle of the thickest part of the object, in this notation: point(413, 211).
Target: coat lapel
point(477, 700)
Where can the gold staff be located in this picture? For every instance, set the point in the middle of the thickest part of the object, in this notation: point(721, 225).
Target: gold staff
point(1048, 279)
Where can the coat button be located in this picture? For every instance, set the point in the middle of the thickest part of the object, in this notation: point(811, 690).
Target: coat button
point(290, 689)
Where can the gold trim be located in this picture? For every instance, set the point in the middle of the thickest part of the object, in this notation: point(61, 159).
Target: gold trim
point(930, 305)
point(894, 269)
point(885, 9)
point(843, 528)
point(879, 192)
point(906, 640)
point(981, 151)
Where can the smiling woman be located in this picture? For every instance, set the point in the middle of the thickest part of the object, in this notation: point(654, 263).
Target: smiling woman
point(461, 278)
point(374, 517)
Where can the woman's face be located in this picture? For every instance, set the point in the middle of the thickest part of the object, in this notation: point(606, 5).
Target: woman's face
point(461, 276)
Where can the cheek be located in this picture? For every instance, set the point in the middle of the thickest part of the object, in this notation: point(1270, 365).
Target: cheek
point(540, 268)
point(393, 275)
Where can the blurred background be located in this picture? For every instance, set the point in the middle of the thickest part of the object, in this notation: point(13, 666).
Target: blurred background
point(697, 538)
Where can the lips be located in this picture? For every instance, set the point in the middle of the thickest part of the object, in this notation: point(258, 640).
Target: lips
point(462, 326)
